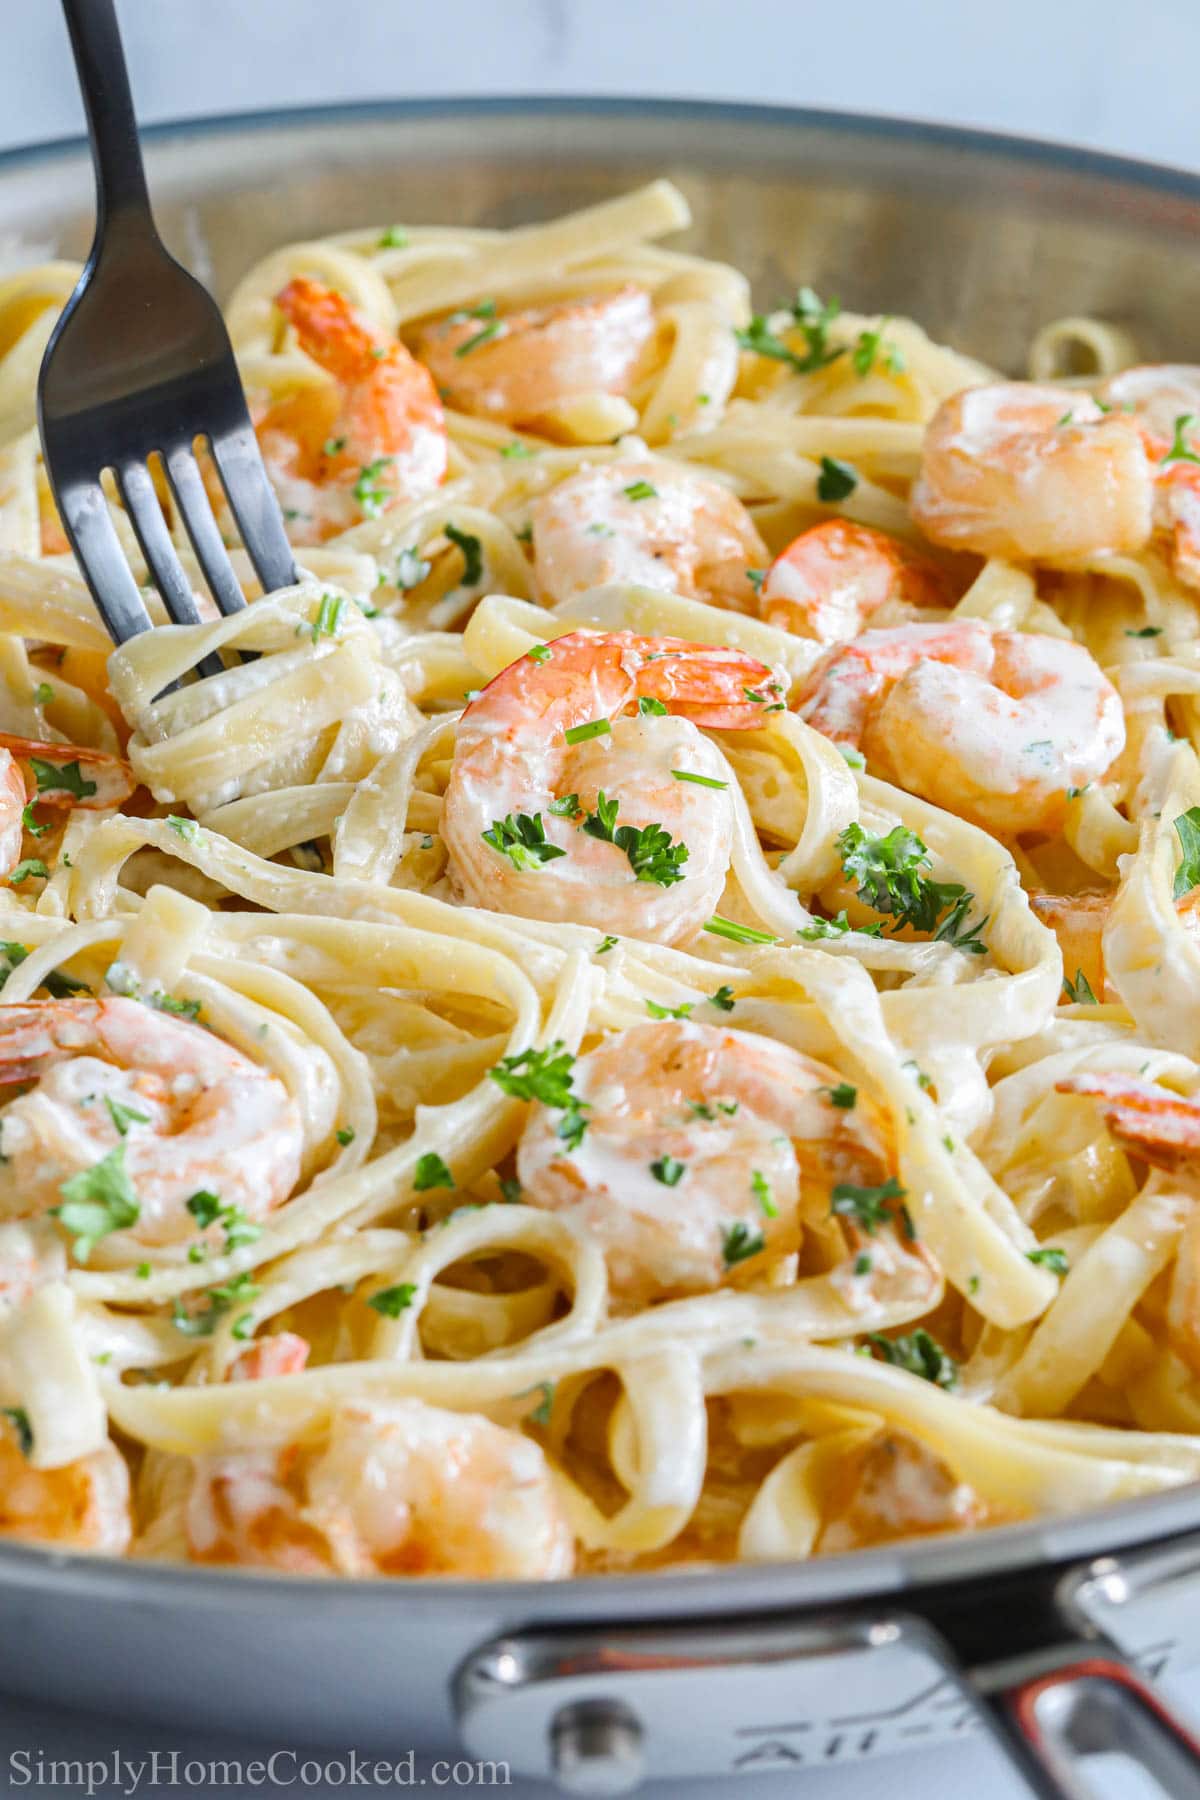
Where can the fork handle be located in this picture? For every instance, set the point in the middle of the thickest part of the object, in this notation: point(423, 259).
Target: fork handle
point(122, 199)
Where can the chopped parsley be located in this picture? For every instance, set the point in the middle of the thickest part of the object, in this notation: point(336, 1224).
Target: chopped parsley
point(540, 1415)
point(31, 868)
point(888, 871)
point(392, 1301)
point(511, 1190)
point(546, 1075)
point(18, 1418)
point(1145, 631)
point(329, 616)
point(813, 317)
point(472, 554)
point(1051, 1258)
point(182, 1009)
point(370, 490)
point(1179, 451)
point(64, 778)
point(1079, 992)
point(98, 1201)
point(652, 856)
point(919, 1354)
point(723, 999)
point(523, 840)
point(756, 577)
point(1187, 875)
point(669, 1012)
point(866, 1207)
point(737, 934)
point(220, 1300)
point(582, 734)
point(344, 1135)
point(760, 1187)
point(333, 446)
point(640, 490)
point(607, 943)
point(567, 806)
point(843, 1096)
point(187, 829)
point(43, 694)
point(650, 708)
point(871, 345)
point(699, 780)
point(30, 823)
point(124, 1116)
point(516, 449)
point(538, 653)
point(492, 327)
point(207, 1209)
point(669, 1170)
point(431, 1172)
point(394, 238)
point(837, 480)
point(738, 1243)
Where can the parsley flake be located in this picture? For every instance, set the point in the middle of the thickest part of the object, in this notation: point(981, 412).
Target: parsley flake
point(866, 1207)
point(431, 1172)
point(1187, 875)
point(738, 1243)
point(371, 491)
point(523, 840)
point(837, 480)
point(1179, 451)
point(98, 1201)
point(1051, 1257)
point(64, 778)
point(669, 1170)
point(392, 1301)
point(472, 554)
point(919, 1354)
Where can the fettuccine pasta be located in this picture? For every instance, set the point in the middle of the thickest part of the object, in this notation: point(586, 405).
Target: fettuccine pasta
point(647, 1012)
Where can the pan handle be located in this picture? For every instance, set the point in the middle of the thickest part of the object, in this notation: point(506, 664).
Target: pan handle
point(1050, 1721)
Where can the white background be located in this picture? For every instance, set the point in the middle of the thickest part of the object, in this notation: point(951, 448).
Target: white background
point(1094, 72)
point(1107, 73)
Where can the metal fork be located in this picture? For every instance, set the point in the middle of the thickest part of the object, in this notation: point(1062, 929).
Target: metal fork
point(140, 362)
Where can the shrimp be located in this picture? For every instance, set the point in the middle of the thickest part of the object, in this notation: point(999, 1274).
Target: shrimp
point(834, 577)
point(1033, 473)
point(1077, 921)
point(530, 816)
point(391, 1487)
point(704, 1151)
point(12, 810)
point(84, 1505)
point(374, 436)
point(179, 1110)
point(648, 524)
point(519, 369)
point(1165, 400)
point(68, 775)
point(896, 1487)
point(1159, 1127)
point(283, 1354)
point(992, 725)
point(31, 1254)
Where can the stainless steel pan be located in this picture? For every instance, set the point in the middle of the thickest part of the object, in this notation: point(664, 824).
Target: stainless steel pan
point(602, 1682)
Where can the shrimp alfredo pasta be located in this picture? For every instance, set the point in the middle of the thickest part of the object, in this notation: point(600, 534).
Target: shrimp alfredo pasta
point(648, 1010)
